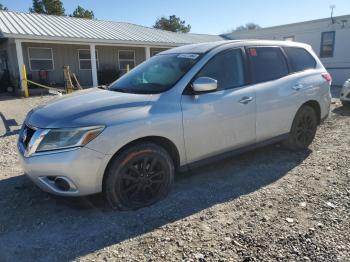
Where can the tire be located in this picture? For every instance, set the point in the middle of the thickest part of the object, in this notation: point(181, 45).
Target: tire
point(138, 177)
point(303, 129)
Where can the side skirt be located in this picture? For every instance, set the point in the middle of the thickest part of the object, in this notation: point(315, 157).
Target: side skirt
point(228, 154)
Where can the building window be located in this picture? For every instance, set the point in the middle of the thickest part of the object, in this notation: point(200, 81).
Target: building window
point(126, 57)
point(288, 38)
point(327, 44)
point(40, 59)
point(85, 59)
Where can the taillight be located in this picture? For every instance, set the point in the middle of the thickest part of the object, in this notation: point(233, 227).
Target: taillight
point(327, 77)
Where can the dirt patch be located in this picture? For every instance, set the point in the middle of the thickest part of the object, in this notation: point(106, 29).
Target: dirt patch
point(269, 204)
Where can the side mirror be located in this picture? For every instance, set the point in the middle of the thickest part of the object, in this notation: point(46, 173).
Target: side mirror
point(204, 84)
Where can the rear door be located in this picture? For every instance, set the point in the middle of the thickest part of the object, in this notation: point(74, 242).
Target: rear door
point(224, 119)
point(276, 98)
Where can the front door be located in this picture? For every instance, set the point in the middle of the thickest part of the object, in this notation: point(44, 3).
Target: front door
point(224, 119)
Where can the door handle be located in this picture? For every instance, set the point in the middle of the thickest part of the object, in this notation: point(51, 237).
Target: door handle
point(245, 100)
point(297, 87)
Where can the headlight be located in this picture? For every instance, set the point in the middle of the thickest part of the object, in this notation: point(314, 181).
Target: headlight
point(347, 84)
point(54, 139)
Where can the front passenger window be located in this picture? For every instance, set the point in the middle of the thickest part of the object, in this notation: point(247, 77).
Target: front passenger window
point(227, 68)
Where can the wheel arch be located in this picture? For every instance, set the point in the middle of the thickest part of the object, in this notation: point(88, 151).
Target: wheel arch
point(316, 106)
point(164, 142)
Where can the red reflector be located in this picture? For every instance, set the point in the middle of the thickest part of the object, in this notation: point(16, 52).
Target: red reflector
point(327, 77)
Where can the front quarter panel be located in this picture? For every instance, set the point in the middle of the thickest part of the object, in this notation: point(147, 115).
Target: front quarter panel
point(345, 91)
point(162, 117)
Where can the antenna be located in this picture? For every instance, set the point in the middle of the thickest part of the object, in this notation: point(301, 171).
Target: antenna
point(332, 7)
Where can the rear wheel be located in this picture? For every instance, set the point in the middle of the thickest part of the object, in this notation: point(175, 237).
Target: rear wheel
point(303, 129)
point(140, 176)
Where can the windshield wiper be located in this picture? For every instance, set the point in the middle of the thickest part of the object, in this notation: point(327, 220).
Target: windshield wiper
point(103, 87)
point(121, 90)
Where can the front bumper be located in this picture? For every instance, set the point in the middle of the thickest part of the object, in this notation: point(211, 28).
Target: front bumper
point(345, 95)
point(82, 168)
point(345, 92)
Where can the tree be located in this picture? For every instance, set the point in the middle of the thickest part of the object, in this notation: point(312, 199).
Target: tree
point(83, 13)
point(3, 8)
point(48, 7)
point(248, 26)
point(38, 7)
point(173, 24)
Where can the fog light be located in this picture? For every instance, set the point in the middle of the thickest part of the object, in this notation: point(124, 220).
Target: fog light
point(62, 184)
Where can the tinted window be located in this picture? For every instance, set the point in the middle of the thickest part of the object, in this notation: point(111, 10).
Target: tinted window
point(267, 63)
point(299, 59)
point(327, 44)
point(227, 68)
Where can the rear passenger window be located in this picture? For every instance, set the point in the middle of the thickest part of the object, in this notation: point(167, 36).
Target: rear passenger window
point(267, 63)
point(227, 68)
point(299, 59)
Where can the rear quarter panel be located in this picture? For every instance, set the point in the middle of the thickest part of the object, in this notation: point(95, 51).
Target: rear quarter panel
point(278, 102)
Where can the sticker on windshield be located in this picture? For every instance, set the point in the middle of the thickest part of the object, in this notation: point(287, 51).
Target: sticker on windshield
point(189, 56)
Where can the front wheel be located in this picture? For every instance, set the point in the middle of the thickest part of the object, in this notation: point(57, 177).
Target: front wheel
point(140, 176)
point(303, 129)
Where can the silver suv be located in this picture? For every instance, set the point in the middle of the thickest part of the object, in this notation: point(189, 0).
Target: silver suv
point(345, 93)
point(175, 111)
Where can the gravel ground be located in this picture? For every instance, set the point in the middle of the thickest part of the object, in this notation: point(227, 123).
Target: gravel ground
point(267, 205)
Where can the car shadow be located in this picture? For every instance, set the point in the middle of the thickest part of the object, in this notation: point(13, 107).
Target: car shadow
point(342, 110)
point(41, 227)
point(7, 124)
point(8, 96)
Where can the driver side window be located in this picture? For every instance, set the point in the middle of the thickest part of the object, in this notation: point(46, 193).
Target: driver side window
point(227, 68)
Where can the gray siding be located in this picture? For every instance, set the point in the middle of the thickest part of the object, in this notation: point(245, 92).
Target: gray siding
point(64, 54)
point(8, 45)
point(158, 50)
point(108, 55)
point(12, 58)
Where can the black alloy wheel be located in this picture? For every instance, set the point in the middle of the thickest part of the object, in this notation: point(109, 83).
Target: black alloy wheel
point(303, 130)
point(306, 129)
point(139, 177)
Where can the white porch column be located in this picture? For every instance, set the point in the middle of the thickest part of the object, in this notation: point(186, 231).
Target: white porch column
point(20, 62)
point(148, 52)
point(93, 65)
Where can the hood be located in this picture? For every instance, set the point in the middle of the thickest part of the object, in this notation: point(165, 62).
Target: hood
point(83, 108)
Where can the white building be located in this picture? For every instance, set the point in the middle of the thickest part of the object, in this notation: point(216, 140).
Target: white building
point(330, 39)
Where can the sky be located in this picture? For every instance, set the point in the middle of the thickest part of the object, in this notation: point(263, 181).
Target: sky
point(204, 16)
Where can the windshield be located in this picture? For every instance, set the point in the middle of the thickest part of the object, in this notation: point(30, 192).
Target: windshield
point(155, 75)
